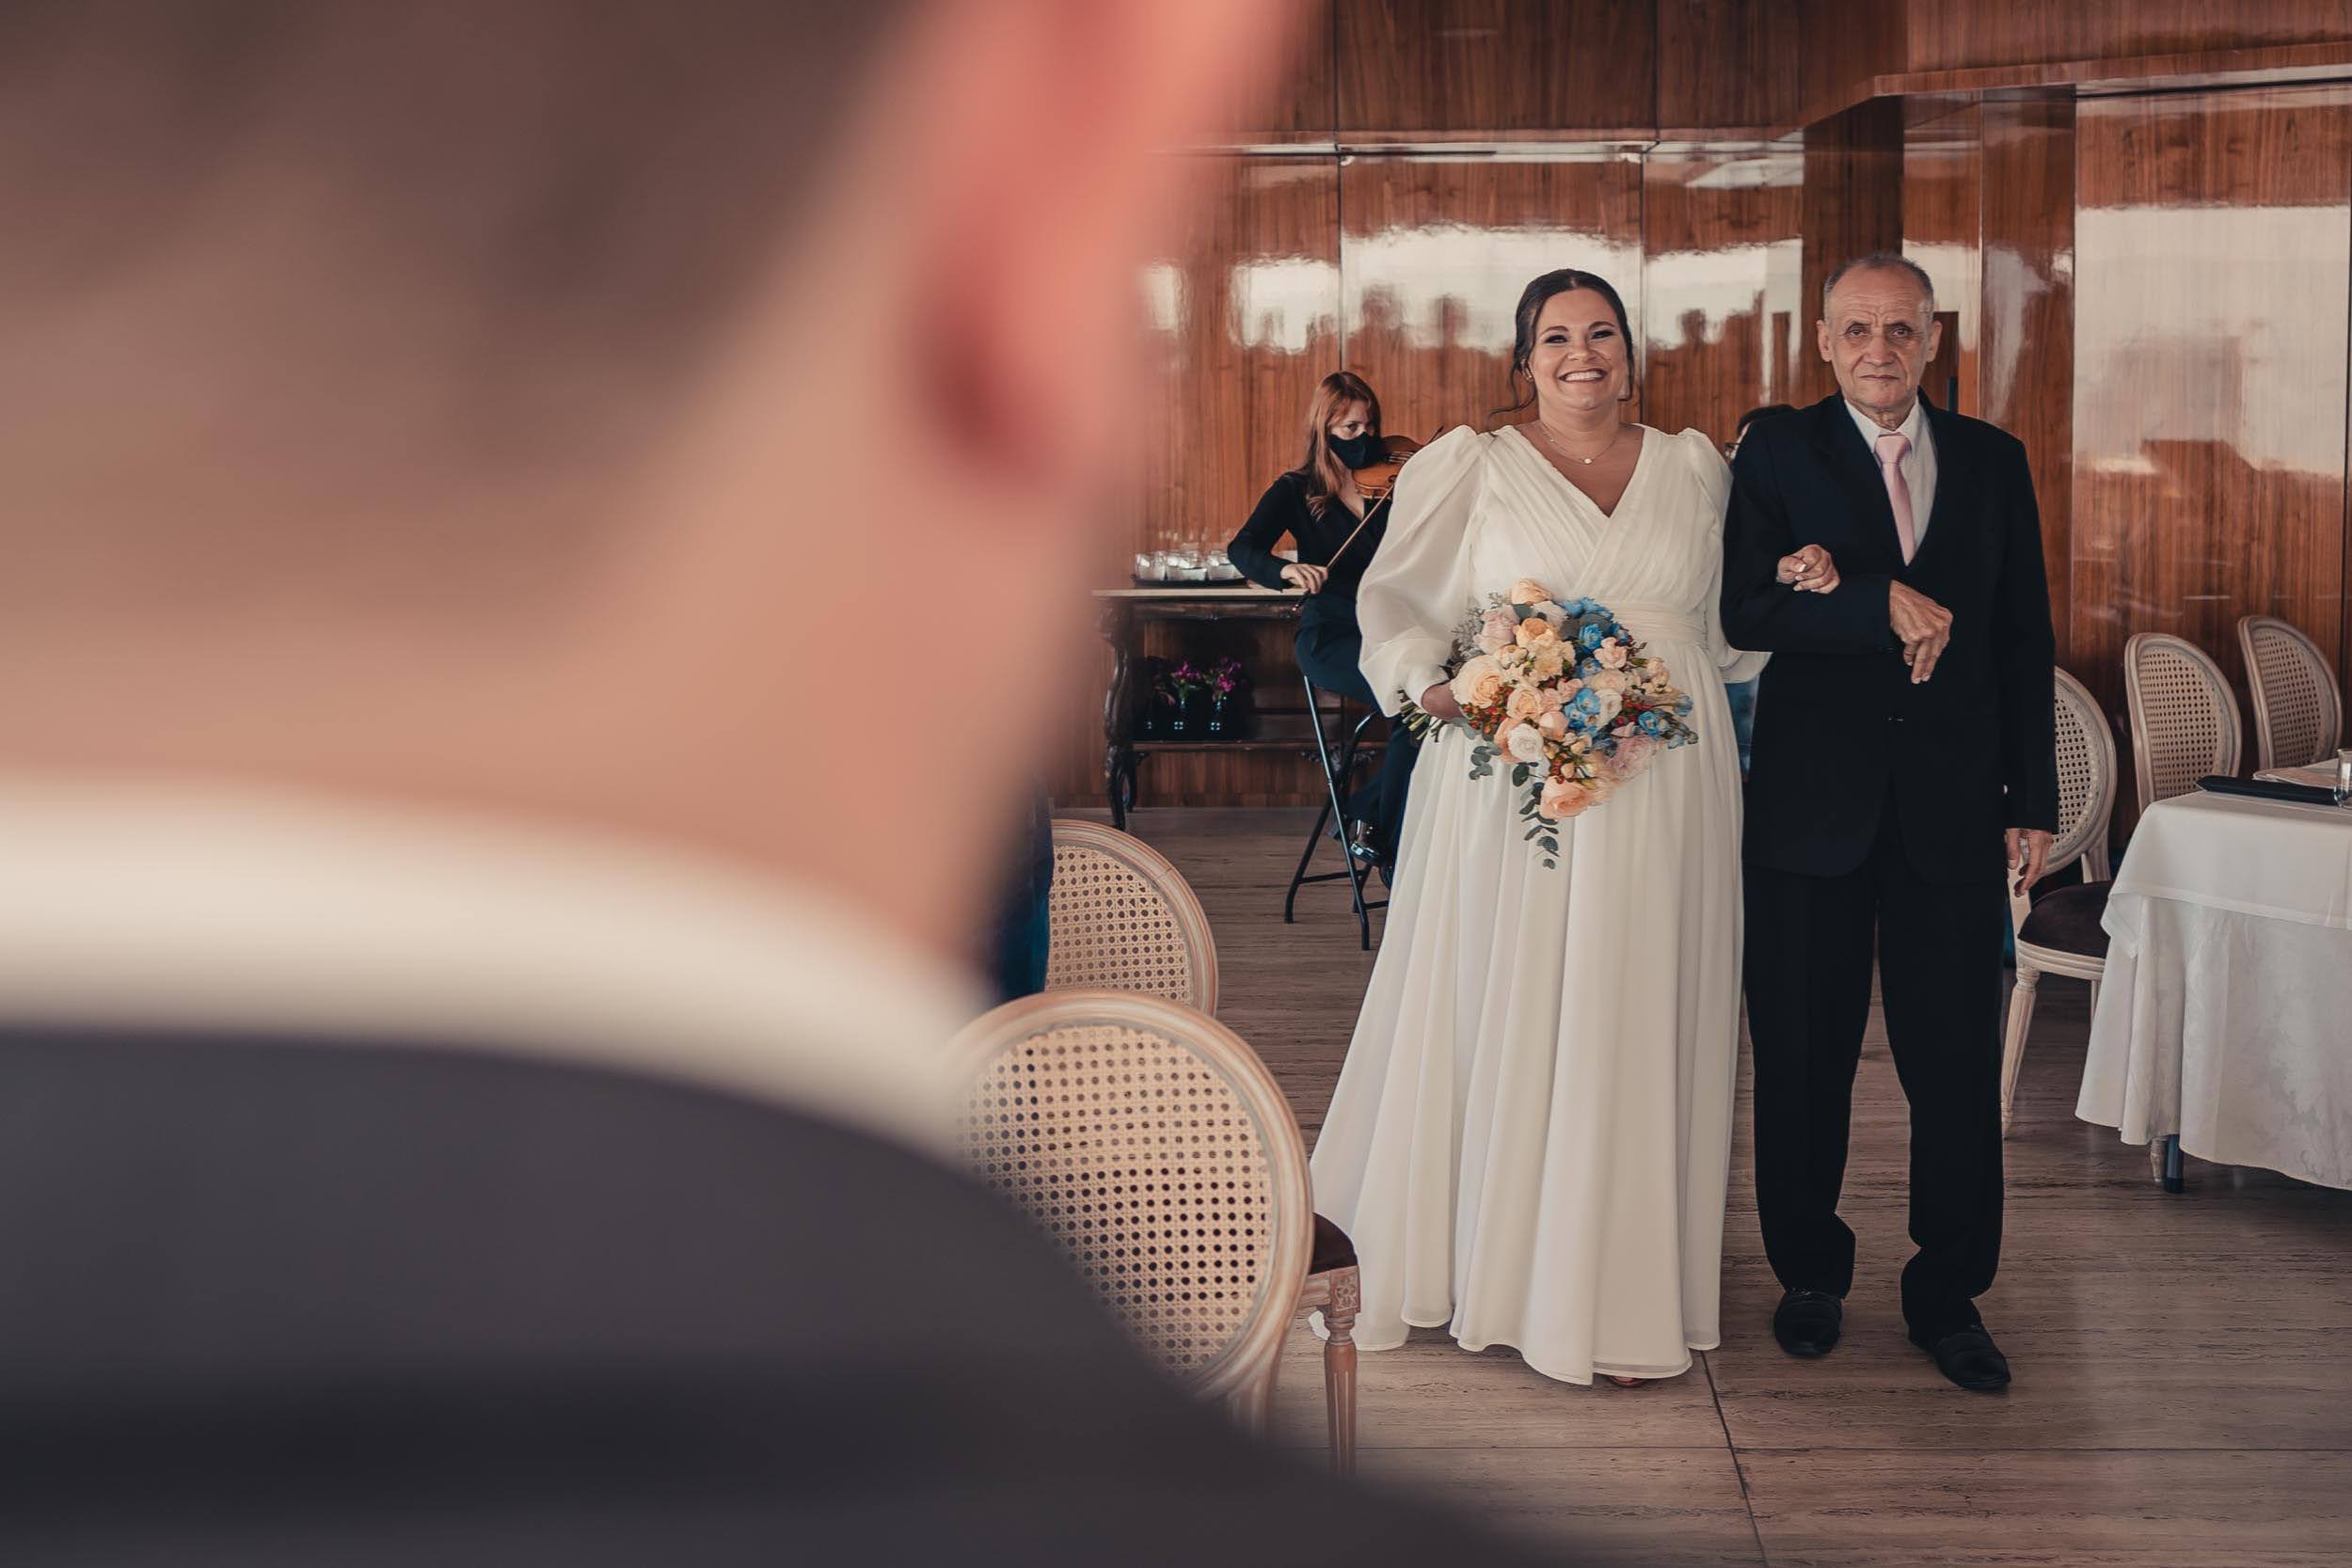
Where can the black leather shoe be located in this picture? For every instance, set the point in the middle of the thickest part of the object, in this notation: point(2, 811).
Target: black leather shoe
point(1806, 1323)
point(1968, 1357)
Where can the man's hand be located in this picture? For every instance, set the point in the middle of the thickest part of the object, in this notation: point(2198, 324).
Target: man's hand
point(2028, 853)
point(1810, 570)
point(1438, 701)
point(1304, 577)
point(1924, 626)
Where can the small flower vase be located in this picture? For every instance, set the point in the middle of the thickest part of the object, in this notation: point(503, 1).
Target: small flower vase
point(1174, 717)
point(1230, 715)
point(1194, 712)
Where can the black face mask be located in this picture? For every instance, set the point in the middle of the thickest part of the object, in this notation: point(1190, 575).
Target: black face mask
point(1361, 452)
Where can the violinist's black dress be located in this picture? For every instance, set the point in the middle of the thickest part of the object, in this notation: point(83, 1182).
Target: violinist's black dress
point(1328, 641)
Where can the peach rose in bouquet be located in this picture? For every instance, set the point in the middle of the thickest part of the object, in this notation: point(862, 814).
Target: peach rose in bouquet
point(1478, 684)
point(1527, 591)
point(1497, 631)
point(1563, 799)
point(1525, 702)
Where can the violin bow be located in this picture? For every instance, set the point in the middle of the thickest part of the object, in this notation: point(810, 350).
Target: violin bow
point(1357, 530)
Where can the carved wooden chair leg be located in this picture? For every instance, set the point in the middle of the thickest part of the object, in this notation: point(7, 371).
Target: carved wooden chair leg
point(2020, 1001)
point(1339, 1366)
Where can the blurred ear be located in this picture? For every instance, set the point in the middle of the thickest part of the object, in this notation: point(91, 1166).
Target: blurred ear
point(1820, 340)
point(1936, 338)
point(1053, 178)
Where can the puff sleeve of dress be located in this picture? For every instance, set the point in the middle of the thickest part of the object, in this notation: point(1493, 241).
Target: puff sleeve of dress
point(1417, 590)
point(1737, 664)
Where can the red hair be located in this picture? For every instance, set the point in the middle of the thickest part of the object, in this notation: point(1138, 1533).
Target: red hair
point(1321, 473)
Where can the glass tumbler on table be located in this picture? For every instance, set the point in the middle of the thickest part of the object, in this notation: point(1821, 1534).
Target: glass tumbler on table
point(2344, 776)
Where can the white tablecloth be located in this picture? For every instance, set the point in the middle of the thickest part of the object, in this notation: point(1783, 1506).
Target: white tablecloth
point(2226, 1014)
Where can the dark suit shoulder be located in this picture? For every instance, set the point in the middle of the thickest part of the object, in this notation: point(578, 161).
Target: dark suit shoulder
point(1970, 431)
point(572, 1310)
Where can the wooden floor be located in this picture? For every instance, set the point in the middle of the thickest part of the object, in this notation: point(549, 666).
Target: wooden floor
point(2183, 1391)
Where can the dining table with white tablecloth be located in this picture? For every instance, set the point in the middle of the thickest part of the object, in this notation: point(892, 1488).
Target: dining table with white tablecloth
point(2225, 1018)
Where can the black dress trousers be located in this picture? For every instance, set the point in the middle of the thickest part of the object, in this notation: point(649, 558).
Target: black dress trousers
point(1809, 964)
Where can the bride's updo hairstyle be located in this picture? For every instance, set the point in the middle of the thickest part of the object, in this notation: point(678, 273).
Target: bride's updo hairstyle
point(1532, 301)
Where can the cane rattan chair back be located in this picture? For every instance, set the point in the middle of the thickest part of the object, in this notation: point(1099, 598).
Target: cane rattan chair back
point(2060, 936)
point(2185, 721)
point(2086, 769)
point(1155, 1149)
point(2298, 708)
point(1123, 919)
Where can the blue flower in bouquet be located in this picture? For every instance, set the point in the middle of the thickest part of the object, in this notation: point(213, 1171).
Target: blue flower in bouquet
point(1591, 637)
point(1651, 723)
point(1586, 704)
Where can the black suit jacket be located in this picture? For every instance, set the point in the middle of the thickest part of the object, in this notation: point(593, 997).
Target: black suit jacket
point(1839, 728)
point(296, 1302)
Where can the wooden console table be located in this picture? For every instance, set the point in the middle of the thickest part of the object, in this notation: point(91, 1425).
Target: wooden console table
point(1123, 613)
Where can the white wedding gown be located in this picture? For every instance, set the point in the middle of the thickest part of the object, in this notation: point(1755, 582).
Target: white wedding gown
point(1530, 1138)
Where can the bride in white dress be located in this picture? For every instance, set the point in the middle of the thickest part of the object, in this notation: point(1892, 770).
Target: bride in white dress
point(1530, 1138)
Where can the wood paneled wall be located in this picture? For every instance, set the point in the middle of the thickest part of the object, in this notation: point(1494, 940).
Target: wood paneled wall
point(1852, 204)
point(1947, 36)
point(1409, 69)
point(1724, 63)
point(1483, 71)
point(1720, 258)
point(1943, 195)
point(1242, 323)
point(1844, 42)
point(2212, 241)
point(2024, 380)
point(1435, 252)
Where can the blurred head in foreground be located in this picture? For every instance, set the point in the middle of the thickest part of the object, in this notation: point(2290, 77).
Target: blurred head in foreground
point(675, 421)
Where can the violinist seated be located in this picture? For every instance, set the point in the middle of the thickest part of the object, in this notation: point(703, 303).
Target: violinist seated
point(1334, 506)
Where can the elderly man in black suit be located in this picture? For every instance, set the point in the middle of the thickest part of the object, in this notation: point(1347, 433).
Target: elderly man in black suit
point(492, 811)
point(1904, 753)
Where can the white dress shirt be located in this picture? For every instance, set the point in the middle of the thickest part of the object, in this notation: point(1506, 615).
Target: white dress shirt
point(137, 904)
point(1919, 464)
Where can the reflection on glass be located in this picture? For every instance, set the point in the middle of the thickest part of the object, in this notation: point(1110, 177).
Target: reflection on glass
point(1454, 285)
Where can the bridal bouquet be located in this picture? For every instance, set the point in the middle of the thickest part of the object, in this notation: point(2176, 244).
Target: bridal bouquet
point(1566, 695)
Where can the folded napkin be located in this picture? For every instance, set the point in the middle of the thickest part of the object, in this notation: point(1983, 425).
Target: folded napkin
point(2266, 789)
point(2319, 775)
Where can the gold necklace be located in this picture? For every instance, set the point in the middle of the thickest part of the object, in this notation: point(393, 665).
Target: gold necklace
point(1544, 431)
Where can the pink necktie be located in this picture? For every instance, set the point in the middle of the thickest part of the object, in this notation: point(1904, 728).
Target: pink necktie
point(1893, 445)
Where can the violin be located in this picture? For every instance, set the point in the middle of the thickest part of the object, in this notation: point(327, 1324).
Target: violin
point(1376, 479)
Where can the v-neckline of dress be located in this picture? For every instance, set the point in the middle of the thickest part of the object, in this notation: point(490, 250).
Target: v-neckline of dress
point(1641, 460)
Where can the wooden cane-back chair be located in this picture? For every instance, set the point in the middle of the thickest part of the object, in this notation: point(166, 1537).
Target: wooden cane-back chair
point(2299, 708)
point(2185, 721)
point(1154, 1149)
point(1123, 919)
point(2061, 933)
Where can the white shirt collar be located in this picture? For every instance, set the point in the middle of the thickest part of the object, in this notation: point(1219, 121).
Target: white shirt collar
point(138, 904)
point(1911, 428)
